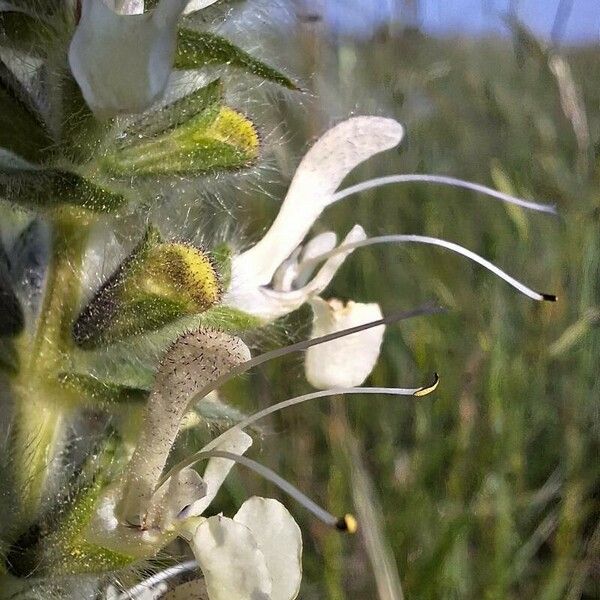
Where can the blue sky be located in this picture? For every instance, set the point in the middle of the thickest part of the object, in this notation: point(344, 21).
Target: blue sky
point(443, 17)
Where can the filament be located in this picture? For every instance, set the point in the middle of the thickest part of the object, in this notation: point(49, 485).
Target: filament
point(423, 239)
point(190, 460)
point(443, 180)
point(137, 592)
point(343, 523)
point(427, 309)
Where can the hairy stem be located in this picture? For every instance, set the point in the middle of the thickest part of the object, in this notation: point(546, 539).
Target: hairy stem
point(39, 406)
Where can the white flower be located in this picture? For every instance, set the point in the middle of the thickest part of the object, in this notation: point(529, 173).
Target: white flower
point(346, 361)
point(186, 495)
point(195, 5)
point(257, 554)
point(273, 277)
point(270, 280)
point(121, 57)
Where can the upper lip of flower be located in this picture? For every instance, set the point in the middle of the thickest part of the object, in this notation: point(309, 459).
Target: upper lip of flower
point(317, 178)
point(270, 279)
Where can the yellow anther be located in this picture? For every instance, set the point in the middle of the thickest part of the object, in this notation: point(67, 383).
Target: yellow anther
point(424, 391)
point(347, 523)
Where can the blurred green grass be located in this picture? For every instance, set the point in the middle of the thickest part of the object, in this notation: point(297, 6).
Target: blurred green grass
point(490, 487)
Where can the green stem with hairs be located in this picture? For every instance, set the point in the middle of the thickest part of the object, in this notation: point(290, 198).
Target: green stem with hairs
point(40, 404)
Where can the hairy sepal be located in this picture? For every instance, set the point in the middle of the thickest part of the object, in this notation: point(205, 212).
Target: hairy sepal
point(157, 284)
point(196, 50)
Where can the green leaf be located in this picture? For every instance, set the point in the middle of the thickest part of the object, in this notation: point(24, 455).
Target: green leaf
point(82, 134)
point(216, 138)
point(21, 129)
point(49, 188)
point(175, 114)
point(197, 49)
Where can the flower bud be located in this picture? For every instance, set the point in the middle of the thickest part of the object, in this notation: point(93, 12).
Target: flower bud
point(346, 361)
point(157, 284)
point(216, 138)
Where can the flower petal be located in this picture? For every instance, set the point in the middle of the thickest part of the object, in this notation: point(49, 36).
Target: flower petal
point(127, 7)
point(327, 272)
point(233, 565)
point(122, 62)
point(268, 304)
point(279, 539)
point(174, 498)
point(347, 361)
point(217, 469)
point(195, 5)
point(320, 173)
point(286, 273)
point(320, 244)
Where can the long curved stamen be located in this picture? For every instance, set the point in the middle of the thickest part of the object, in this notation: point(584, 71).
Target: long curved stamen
point(344, 523)
point(190, 460)
point(427, 309)
point(423, 239)
point(443, 180)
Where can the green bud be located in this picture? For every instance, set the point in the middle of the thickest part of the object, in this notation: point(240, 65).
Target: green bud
point(157, 284)
point(216, 138)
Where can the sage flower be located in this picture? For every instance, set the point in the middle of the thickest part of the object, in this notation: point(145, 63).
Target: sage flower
point(279, 253)
point(122, 60)
point(258, 551)
point(257, 554)
point(347, 361)
point(275, 276)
